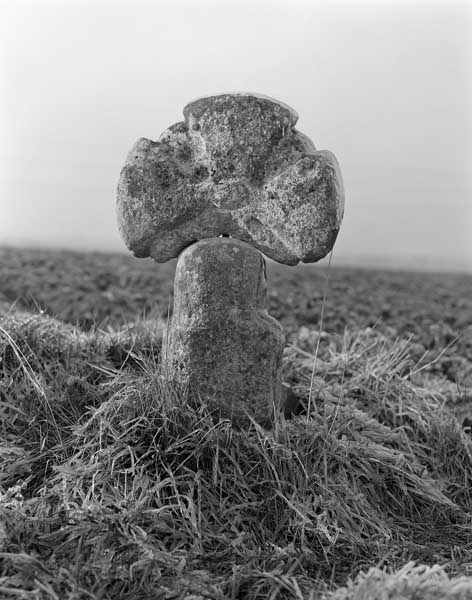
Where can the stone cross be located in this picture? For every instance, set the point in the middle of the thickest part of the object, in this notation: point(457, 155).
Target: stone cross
point(232, 180)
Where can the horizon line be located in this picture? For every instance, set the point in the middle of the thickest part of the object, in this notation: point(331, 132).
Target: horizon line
point(415, 263)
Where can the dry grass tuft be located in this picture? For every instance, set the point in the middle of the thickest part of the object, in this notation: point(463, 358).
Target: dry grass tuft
point(115, 484)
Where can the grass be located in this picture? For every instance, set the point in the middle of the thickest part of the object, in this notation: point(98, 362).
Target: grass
point(116, 484)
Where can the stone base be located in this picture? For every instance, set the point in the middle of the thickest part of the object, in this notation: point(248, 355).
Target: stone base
point(221, 342)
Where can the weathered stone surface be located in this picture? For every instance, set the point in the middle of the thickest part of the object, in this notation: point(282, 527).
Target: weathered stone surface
point(221, 341)
point(235, 166)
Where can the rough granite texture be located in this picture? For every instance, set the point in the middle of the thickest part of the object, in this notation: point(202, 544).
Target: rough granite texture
point(235, 166)
point(221, 341)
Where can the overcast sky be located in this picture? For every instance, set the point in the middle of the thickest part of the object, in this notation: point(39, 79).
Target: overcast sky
point(386, 86)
